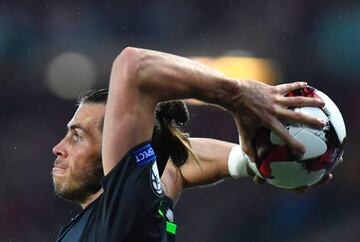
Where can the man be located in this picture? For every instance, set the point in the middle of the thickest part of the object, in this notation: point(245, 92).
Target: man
point(126, 206)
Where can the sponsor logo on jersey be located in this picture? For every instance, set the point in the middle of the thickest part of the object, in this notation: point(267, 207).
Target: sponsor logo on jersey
point(144, 155)
point(155, 180)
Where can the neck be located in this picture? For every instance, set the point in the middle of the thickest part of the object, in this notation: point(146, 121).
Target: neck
point(91, 198)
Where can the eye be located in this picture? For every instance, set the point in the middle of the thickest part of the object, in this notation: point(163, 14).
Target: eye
point(76, 136)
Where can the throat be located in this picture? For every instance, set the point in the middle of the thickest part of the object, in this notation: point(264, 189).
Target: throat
point(91, 198)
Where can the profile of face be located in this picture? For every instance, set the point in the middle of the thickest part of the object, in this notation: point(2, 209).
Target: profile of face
point(78, 169)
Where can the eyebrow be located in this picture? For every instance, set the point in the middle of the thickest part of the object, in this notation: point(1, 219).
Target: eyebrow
point(77, 126)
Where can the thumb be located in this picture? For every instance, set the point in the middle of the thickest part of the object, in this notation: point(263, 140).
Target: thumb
point(248, 149)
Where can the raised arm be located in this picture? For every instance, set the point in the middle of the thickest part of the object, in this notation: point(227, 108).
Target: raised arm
point(141, 78)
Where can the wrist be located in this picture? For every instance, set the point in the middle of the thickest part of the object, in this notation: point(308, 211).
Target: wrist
point(224, 92)
point(237, 163)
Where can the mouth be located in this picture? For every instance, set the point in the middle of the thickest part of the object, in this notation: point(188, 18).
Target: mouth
point(56, 170)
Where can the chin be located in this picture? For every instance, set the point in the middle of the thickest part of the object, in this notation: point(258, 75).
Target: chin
point(61, 185)
point(69, 191)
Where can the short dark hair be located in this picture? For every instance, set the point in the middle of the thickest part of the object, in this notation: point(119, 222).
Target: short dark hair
point(168, 140)
point(93, 96)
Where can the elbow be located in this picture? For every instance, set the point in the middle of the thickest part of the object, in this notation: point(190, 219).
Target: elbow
point(128, 65)
point(126, 55)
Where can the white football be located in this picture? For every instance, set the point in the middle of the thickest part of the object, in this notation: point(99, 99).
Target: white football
point(324, 148)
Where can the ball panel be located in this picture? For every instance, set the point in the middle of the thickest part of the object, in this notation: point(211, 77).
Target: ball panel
point(315, 146)
point(314, 112)
point(278, 153)
point(292, 129)
point(322, 162)
point(334, 116)
point(292, 174)
point(331, 158)
point(275, 139)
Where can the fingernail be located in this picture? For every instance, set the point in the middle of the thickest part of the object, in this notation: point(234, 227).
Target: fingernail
point(321, 102)
point(323, 122)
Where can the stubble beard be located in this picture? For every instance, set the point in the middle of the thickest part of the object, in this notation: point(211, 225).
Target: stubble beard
point(78, 186)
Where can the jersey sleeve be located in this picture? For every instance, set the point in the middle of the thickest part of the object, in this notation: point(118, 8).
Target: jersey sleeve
point(128, 210)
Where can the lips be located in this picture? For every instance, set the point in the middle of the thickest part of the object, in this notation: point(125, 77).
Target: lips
point(58, 169)
point(59, 166)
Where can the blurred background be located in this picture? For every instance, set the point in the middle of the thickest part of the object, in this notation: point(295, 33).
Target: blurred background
point(50, 51)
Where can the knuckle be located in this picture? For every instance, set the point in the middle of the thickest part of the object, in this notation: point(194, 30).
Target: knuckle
point(277, 99)
point(272, 108)
point(298, 115)
point(300, 100)
point(275, 91)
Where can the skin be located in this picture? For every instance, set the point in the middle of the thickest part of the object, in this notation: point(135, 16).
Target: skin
point(77, 169)
point(211, 167)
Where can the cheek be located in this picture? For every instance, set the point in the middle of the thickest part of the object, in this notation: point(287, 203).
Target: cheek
point(78, 170)
point(82, 163)
point(81, 170)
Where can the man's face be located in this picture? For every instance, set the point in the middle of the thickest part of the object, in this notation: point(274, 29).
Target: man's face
point(78, 169)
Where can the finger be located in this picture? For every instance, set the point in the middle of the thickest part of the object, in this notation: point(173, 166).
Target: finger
point(249, 171)
point(247, 147)
point(258, 180)
point(301, 102)
point(298, 117)
point(293, 144)
point(325, 180)
point(288, 87)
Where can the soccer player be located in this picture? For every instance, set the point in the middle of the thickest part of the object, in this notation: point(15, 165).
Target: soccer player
point(117, 137)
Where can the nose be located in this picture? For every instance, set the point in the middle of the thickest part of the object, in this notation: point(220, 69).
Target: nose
point(59, 149)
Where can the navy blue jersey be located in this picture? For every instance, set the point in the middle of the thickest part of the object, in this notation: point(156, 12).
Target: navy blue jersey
point(128, 209)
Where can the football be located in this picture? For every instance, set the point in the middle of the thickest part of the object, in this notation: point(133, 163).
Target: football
point(324, 148)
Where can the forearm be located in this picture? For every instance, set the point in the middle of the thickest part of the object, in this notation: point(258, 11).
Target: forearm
point(164, 76)
point(139, 80)
point(212, 165)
